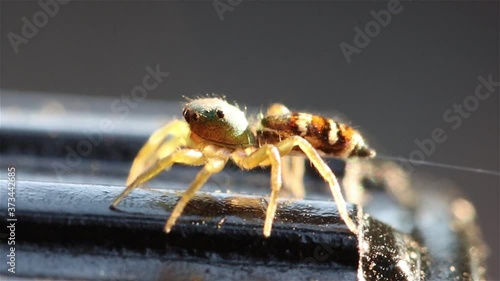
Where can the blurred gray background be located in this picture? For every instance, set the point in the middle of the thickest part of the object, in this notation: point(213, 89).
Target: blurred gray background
point(395, 90)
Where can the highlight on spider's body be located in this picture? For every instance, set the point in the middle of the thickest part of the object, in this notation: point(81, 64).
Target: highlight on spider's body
point(214, 132)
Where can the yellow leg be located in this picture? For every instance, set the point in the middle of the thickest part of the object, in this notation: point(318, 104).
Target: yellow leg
point(287, 174)
point(212, 167)
point(399, 185)
point(163, 151)
point(352, 182)
point(287, 145)
point(183, 156)
point(277, 109)
point(265, 153)
point(292, 167)
point(293, 175)
point(389, 175)
point(148, 154)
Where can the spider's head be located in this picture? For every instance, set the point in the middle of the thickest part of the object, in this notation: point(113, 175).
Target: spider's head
point(217, 121)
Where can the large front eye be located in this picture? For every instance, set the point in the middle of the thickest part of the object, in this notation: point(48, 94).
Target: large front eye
point(190, 116)
point(187, 114)
point(195, 116)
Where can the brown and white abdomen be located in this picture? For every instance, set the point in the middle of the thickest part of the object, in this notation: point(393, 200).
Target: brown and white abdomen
point(325, 135)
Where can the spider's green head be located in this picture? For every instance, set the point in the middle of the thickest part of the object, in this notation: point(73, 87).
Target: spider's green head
point(217, 121)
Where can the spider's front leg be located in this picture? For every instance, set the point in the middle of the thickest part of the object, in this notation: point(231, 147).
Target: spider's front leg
point(263, 156)
point(159, 146)
point(213, 166)
point(288, 144)
point(182, 156)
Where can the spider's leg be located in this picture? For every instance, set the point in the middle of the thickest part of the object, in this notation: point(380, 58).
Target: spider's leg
point(352, 183)
point(388, 175)
point(182, 156)
point(157, 146)
point(292, 167)
point(398, 183)
point(287, 145)
point(287, 174)
point(212, 167)
point(277, 109)
point(266, 153)
point(295, 181)
point(293, 170)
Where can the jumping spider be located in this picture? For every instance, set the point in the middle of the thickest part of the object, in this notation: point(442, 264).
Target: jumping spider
point(215, 131)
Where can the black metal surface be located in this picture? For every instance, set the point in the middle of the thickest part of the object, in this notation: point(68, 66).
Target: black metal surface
point(65, 229)
point(216, 230)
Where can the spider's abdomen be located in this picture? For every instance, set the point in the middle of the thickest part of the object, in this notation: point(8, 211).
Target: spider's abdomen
point(326, 135)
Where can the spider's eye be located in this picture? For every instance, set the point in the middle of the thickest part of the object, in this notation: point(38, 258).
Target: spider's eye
point(187, 115)
point(220, 114)
point(190, 116)
point(195, 116)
